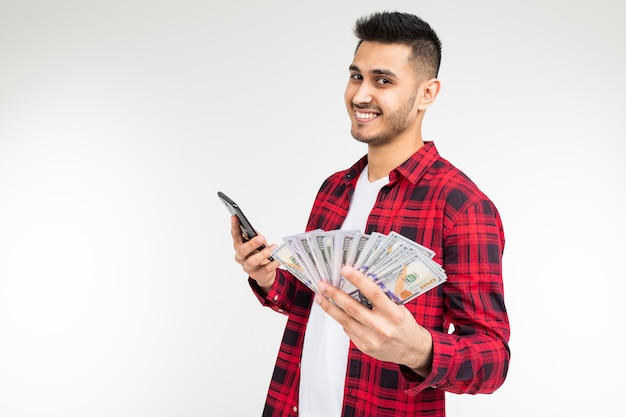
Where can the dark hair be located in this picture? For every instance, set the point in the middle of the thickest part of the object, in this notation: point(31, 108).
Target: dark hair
point(403, 28)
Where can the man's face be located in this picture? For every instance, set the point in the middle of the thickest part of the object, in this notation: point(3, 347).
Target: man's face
point(381, 92)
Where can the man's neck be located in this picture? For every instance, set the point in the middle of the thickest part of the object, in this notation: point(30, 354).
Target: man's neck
point(382, 159)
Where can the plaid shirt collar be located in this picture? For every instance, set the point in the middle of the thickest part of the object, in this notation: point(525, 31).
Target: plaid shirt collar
point(412, 169)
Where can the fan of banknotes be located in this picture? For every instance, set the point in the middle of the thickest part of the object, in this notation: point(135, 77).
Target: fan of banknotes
point(403, 268)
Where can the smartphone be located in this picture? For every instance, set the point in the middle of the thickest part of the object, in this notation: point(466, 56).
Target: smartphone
point(247, 231)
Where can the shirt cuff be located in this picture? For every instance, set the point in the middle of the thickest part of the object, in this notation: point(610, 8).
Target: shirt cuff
point(443, 354)
point(276, 298)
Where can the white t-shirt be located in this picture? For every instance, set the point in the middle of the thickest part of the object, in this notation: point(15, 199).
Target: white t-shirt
point(325, 351)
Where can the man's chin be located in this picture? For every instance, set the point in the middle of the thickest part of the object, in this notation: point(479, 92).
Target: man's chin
point(367, 139)
point(360, 136)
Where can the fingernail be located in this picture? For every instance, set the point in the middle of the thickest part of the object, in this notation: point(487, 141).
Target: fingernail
point(318, 299)
point(321, 286)
point(346, 271)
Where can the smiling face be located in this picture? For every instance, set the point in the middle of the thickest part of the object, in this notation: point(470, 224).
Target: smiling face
point(381, 95)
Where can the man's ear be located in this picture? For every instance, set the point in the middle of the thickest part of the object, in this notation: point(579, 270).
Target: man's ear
point(427, 93)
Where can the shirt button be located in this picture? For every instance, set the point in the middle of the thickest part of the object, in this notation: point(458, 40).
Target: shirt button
point(276, 298)
point(295, 409)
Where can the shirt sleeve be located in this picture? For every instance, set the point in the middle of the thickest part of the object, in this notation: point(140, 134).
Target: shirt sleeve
point(281, 294)
point(474, 358)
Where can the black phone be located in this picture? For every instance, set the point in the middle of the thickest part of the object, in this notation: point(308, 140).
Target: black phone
point(247, 231)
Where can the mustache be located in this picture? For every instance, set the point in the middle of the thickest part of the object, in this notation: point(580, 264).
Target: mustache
point(365, 107)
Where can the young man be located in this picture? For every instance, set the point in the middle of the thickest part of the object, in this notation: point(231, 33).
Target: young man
point(341, 358)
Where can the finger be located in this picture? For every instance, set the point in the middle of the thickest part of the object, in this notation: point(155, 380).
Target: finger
point(369, 289)
point(245, 250)
point(326, 300)
point(235, 231)
point(263, 257)
point(351, 315)
point(260, 268)
point(345, 303)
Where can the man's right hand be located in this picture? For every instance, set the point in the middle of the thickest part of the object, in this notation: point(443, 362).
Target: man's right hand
point(254, 262)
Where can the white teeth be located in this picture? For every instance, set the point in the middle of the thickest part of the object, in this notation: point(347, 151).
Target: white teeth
point(364, 115)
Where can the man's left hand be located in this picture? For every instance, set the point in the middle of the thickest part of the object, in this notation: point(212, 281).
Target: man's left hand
point(388, 332)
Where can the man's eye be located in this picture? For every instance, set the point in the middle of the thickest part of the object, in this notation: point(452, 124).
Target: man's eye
point(357, 77)
point(383, 81)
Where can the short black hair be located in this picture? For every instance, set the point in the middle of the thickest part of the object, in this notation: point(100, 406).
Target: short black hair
point(403, 28)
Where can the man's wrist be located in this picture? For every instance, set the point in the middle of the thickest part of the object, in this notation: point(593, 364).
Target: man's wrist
point(423, 363)
point(267, 287)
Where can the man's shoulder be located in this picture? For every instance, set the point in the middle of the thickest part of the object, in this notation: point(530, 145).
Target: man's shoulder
point(454, 185)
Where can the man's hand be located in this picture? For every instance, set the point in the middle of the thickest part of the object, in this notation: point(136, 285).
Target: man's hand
point(388, 332)
point(254, 262)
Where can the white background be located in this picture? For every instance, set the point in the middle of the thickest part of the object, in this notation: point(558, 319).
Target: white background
point(120, 120)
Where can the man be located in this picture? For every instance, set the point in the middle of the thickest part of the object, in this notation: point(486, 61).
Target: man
point(341, 358)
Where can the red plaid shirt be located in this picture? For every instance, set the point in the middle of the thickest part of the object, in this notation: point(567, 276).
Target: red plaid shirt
point(432, 202)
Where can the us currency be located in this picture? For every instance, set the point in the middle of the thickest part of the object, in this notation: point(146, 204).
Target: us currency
point(356, 248)
point(393, 251)
point(402, 268)
point(303, 257)
point(346, 242)
point(288, 260)
point(411, 280)
point(323, 244)
point(370, 248)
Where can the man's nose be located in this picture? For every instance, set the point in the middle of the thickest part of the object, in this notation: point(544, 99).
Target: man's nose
point(363, 94)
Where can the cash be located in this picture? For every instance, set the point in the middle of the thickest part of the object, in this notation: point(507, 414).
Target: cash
point(402, 268)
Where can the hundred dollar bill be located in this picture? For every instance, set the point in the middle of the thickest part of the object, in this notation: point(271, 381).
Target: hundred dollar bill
point(309, 254)
point(288, 260)
point(323, 244)
point(356, 248)
point(393, 251)
point(392, 270)
point(304, 257)
point(370, 248)
point(345, 240)
point(391, 260)
point(411, 280)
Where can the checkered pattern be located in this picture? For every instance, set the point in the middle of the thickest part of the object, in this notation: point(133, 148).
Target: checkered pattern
point(432, 202)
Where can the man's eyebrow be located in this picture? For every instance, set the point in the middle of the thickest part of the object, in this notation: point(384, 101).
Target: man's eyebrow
point(384, 72)
point(375, 71)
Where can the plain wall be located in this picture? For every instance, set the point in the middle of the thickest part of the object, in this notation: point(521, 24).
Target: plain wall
point(120, 120)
